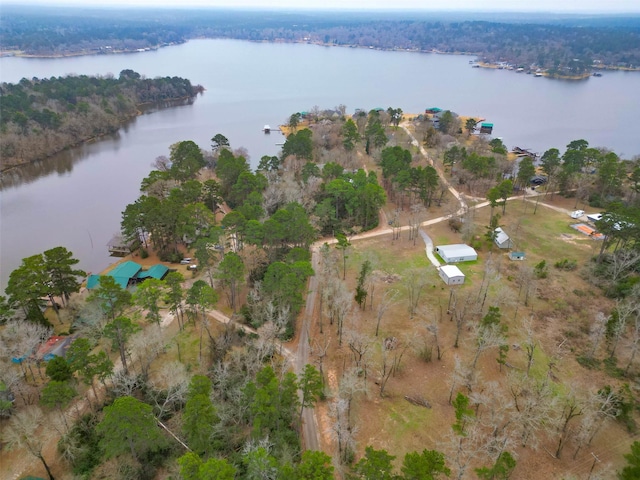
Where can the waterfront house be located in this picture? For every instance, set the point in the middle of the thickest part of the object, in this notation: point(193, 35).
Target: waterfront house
point(486, 127)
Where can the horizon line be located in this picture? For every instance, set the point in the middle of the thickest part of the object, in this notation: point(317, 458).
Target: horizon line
point(372, 9)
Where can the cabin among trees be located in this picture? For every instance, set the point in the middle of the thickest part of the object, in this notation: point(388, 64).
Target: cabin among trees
point(130, 273)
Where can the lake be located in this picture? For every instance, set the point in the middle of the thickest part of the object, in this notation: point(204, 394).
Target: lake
point(76, 199)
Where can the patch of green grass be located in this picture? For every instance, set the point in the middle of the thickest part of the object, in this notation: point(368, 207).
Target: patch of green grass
point(405, 419)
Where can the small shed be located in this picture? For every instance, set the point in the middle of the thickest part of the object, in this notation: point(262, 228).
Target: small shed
point(502, 240)
point(594, 217)
point(516, 256)
point(55, 346)
point(457, 253)
point(451, 275)
point(486, 127)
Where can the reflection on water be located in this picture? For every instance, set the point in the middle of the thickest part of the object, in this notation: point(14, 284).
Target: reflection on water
point(63, 162)
point(60, 163)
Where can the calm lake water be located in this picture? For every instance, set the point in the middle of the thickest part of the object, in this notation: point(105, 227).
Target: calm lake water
point(77, 198)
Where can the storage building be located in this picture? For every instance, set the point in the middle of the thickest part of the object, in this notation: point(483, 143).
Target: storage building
point(502, 240)
point(451, 275)
point(456, 253)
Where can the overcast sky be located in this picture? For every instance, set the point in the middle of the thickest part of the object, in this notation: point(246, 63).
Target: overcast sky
point(577, 6)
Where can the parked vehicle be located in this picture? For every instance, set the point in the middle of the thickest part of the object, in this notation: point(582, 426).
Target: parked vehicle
point(577, 213)
point(186, 261)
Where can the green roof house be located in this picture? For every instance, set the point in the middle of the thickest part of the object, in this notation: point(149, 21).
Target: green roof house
point(158, 271)
point(123, 273)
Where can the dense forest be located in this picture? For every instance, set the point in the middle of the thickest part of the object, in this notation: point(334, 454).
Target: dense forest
point(564, 45)
point(41, 117)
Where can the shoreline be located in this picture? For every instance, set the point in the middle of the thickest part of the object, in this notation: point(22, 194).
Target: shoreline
point(22, 54)
point(140, 110)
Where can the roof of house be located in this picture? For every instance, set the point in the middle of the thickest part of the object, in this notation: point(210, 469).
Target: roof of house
point(451, 271)
point(484, 124)
point(501, 236)
point(122, 273)
point(92, 281)
point(457, 250)
point(127, 269)
point(157, 271)
point(55, 346)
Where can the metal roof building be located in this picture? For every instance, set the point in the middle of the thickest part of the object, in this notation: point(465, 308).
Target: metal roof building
point(457, 253)
point(502, 240)
point(158, 271)
point(451, 275)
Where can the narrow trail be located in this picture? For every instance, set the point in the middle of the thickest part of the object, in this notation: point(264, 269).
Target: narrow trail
point(429, 248)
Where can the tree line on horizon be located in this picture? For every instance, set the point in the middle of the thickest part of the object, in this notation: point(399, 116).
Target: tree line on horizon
point(565, 48)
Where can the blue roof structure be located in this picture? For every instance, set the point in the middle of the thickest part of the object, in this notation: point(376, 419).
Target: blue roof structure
point(157, 271)
point(124, 272)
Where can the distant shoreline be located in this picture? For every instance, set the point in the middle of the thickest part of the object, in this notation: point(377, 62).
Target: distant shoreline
point(22, 54)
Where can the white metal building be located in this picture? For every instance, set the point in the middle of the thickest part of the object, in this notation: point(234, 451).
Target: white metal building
point(457, 253)
point(451, 275)
point(502, 240)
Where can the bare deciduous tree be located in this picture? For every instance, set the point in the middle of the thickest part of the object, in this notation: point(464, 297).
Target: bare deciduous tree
point(433, 329)
point(359, 344)
point(533, 402)
point(392, 352)
point(341, 432)
point(28, 429)
point(596, 333)
point(461, 451)
point(571, 406)
point(530, 342)
point(414, 281)
point(145, 347)
point(21, 338)
point(352, 383)
point(388, 300)
point(169, 388)
point(620, 318)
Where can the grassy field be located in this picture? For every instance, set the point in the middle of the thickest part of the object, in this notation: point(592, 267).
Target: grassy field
point(560, 311)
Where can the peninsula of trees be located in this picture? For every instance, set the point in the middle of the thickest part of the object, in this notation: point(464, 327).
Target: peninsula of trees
point(41, 117)
point(562, 45)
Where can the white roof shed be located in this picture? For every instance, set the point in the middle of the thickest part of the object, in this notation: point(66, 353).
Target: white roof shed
point(451, 275)
point(457, 253)
point(502, 240)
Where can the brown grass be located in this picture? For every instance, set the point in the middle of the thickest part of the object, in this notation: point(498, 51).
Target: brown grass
point(561, 313)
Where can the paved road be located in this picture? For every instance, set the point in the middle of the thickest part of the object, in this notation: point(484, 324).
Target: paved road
point(429, 248)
